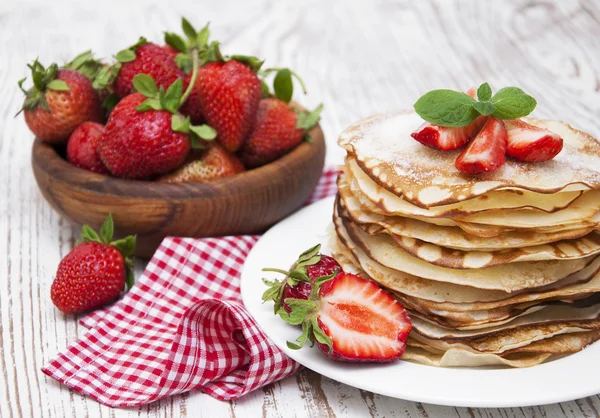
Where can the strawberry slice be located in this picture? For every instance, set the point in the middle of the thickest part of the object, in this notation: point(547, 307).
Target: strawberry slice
point(447, 138)
point(487, 150)
point(351, 319)
point(531, 143)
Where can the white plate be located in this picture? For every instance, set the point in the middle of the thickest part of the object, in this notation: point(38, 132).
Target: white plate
point(572, 377)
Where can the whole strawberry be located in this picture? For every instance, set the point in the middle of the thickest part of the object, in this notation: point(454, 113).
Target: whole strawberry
point(277, 131)
point(82, 148)
point(145, 58)
point(95, 272)
point(228, 93)
point(310, 266)
point(58, 102)
point(145, 136)
point(206, 165)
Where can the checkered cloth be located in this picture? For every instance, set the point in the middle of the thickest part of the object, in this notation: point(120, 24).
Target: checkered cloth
point(181, 327)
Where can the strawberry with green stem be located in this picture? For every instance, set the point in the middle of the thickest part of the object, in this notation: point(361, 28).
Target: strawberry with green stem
point(279, 128)
point(94, 272)
point(146, 136)
point(58, 102)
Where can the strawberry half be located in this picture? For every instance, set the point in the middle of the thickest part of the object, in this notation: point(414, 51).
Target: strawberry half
point(447, 138)
point(486, 152)
point(350, 319)
point(531, 143)
point(298, 283)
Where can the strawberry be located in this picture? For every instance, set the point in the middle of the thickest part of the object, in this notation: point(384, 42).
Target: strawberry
point(93, 273)
point(298, 282)
point(531, 143)
point(145, 58)
point(277, 131)
point(446, 138)
point(206, 165)
point(58, 102)
point(350, 319)
point(145, 136)
point(229, 92)
point(486, 152)
point(82, 148)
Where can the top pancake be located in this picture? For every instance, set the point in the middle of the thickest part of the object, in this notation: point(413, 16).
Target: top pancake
point(384, 149)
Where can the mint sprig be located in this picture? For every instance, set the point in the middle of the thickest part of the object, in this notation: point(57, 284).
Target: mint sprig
point(456, 109)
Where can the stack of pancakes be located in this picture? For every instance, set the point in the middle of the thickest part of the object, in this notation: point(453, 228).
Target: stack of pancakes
point(496, 269)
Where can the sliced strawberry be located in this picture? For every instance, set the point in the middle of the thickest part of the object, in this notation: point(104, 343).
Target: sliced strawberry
point(446, 138)
point(351, 319)
point(531, 143)
point(487, 150)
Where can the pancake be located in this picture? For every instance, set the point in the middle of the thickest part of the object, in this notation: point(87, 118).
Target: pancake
point(425, 177)
point(463, 358)
point(510, 277)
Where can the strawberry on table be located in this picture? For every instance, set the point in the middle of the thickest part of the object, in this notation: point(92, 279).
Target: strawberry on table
point(145, 136)
point(531, 143)
point(298, 282)
point(58, 102)
point(486, 152)
point(205, 165)
point(82, 148)
point(93, 273)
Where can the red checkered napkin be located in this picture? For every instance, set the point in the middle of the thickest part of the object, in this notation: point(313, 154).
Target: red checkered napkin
point(181, 327)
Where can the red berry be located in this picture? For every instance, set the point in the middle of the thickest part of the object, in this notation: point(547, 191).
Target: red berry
point(82, 148)
point(486, 152)
point(530, 143)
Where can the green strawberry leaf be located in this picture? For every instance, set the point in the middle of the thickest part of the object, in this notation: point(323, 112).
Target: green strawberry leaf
point(173, 96)
point(283, 85)
point(129, 278)
point(188, 29)
point(212, 53)
point(89, 235)
point(126, 246)
point(484, 92)
point(264, 89)
point(300, 308)
point(106, 76)
point(110, 102)
point(307, 121)
point(145, 85)
point(512, 103)
point(446, 108)
point(206, 132)
point(180, 123)
point(58, 85)
point(484, 108)
point(107, 229)
point(149, 104)
point(37, 80)
point(176, 41)
point(311, 252)
point(20, 84)
point(184, 62)
point(126, 55)
point(306, 332)
point(252, 62)
point(320, 336)
point(202, 37)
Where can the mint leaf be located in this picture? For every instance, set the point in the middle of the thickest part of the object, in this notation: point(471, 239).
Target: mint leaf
point(484, 92)
point(512, 103)
point(59, 85)
point(485, 108)
point(145, 85)
point(107, 229)
point(283, 85)
point(446, 108)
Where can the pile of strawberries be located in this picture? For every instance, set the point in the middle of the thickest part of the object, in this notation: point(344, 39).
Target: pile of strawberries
point(175, 112)
point(489, 141)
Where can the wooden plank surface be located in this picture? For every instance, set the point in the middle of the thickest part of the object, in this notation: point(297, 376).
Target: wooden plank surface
point(357, 57)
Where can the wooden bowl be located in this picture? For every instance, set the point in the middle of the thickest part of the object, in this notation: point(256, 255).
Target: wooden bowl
point(246, 203)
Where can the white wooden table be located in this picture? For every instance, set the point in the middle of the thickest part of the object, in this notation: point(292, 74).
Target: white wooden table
point(358, 58)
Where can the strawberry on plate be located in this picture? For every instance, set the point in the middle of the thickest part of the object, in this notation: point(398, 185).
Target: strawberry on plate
point(82, 148)
point(530, 143)
point(58, 102)
point(486, 152)
point(350, 319)
point(447, 138)
point(310, 266)
point(93, 273)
